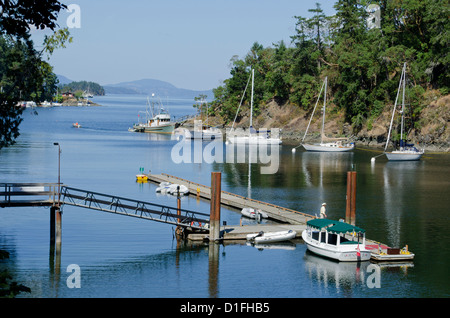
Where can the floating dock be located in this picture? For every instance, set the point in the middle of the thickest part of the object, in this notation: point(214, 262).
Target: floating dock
point(290, 219)
point(275, 212)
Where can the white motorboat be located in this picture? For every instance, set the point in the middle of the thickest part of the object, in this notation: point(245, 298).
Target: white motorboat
point(406, 152)
point(334, 144)
point(254, 213)
point(270, 237)
point(252, 137)
point(336, 240)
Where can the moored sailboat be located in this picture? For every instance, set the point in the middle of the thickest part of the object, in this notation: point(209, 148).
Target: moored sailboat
point(406, 152)
point(326, 144)
point(252, 136)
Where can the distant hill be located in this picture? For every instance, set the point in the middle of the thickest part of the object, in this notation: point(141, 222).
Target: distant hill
point(152, 86)
point(63, 80)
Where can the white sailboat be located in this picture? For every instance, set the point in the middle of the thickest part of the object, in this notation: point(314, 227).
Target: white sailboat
point(203, 132)
point(406, 152)
point(334, 144)
point(253, 136)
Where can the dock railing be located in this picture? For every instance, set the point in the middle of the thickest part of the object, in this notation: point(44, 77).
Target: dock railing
point(28, 194)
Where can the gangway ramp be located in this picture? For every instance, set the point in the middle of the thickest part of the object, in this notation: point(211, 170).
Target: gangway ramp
point(135, 208)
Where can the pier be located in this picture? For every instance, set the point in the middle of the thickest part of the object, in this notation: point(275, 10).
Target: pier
point(275, 212)
point(195, 226)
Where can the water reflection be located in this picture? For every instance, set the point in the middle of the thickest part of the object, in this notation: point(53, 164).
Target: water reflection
point(343, 276)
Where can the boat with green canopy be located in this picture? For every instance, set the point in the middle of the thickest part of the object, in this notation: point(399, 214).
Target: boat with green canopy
point(337, 240)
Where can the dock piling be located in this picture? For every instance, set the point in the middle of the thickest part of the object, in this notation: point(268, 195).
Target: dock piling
point(350, 211)
point(214, 231)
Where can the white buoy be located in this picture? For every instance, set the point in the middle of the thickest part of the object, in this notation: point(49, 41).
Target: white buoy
point(373, 159)
point(293, 150)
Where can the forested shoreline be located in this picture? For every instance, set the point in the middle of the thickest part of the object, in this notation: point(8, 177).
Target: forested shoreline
point(360, 53)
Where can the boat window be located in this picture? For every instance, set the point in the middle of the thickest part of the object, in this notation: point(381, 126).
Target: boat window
point(315, 235)
point(332, 239)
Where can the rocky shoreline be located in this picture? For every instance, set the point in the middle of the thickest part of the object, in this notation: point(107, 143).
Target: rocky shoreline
point(432, 133)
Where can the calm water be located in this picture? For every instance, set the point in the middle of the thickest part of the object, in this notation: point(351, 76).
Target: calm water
point(397, 203)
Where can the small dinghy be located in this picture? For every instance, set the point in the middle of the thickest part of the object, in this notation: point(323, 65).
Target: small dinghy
point(176, 189)
point(270, 237)
point(163, 187)
point(254, 213)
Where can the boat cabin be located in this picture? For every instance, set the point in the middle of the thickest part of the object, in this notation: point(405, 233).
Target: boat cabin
point(334, 232)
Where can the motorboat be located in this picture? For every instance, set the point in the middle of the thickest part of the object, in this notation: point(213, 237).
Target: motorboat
point(271, 237)
point(336, 240)
point(254, 213)
point(76, 125)
point(156, 121)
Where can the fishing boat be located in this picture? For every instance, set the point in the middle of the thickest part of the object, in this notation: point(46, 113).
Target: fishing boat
point(156, 120)
point(336, 240)
point(252, 136)
point(406, 152)
point(254, 213)
point(326, 144)
point(271, 237)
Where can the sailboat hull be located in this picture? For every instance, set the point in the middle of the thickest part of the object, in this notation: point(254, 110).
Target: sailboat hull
point(254, 140)
point(404, 155)
point(328, 147)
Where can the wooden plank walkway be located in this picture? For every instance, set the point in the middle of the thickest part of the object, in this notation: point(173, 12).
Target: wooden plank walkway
point(275, 212)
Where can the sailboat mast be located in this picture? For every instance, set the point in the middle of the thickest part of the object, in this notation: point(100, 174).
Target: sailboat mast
point(314, 110)
point(251, 102)
point(324, 103)
point(403, 104)
point(395, 106)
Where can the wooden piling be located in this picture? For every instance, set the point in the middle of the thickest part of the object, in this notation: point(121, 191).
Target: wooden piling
point(353, 203)
point(214, 230)
point(350, 211)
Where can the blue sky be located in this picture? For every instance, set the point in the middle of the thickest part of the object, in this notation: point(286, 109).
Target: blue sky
point(186, 43)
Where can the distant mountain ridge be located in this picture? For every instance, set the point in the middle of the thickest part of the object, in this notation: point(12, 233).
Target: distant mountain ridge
point(153, 86)
point(148, 87)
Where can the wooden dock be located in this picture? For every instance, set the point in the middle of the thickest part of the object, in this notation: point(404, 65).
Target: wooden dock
point(275, 212)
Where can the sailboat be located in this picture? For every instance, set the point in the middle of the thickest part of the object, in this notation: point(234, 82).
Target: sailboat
point(253, 136)
point(406, 152)
point(155, 123)
point(338, 144)
point(203, 132)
